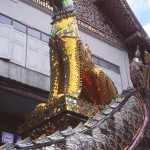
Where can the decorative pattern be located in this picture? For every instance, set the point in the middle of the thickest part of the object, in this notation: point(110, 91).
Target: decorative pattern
point(88, 12)
point(147, 70)
point(120, 125)
point(73, 74)
point(118, 10)
point(113, 130)
point(80, 89)
point(111, 21)
point(140, 73)
point(137, 71)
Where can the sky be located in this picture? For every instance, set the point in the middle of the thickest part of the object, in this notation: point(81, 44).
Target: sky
point(141, 9)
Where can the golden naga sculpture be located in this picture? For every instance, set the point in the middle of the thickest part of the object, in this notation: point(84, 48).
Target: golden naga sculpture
point(77, 86)
point(73, 73)
point(147, 70)
point(140, 72)
point(78, 90)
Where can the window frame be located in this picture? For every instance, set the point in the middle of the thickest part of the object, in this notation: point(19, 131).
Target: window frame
point(20, 24)
point(40, 37)
point(35, 30)
point(42, 33)
point(100, 60)
point(1, 15)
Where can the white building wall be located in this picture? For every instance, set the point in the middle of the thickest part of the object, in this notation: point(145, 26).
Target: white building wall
point(111, 54)
point(41, 21)
point(26, 14)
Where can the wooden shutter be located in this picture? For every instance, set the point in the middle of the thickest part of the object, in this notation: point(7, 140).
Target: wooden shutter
point(33, 53)
point(18, 51)
point(5, 40)
point(45, 59)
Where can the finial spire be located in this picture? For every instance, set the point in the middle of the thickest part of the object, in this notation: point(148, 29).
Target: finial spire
point(138, 58)
point(137, 52)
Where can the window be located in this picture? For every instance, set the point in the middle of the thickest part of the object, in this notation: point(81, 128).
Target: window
point(34, 33)
point(5, 41)
point(19, 26)
point(113, 71)
point(45, 38)
point(104, 64)
point(5, 20)
point(95, 60)
point(23, 28)
point(114, 68)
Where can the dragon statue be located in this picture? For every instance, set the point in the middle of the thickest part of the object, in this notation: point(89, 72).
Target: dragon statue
point(84, 110)
point(73, 74)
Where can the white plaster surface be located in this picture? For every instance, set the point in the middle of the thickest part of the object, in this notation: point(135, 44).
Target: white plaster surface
point(26, 14)
point(41, 21)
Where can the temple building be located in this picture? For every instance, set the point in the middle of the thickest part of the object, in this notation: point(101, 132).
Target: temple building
point(108, 26)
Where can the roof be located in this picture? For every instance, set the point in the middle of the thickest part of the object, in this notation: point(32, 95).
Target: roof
point(120, 126)
point(126, 22)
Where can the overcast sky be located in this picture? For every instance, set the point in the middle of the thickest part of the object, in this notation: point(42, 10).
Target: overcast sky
point(141, 9)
